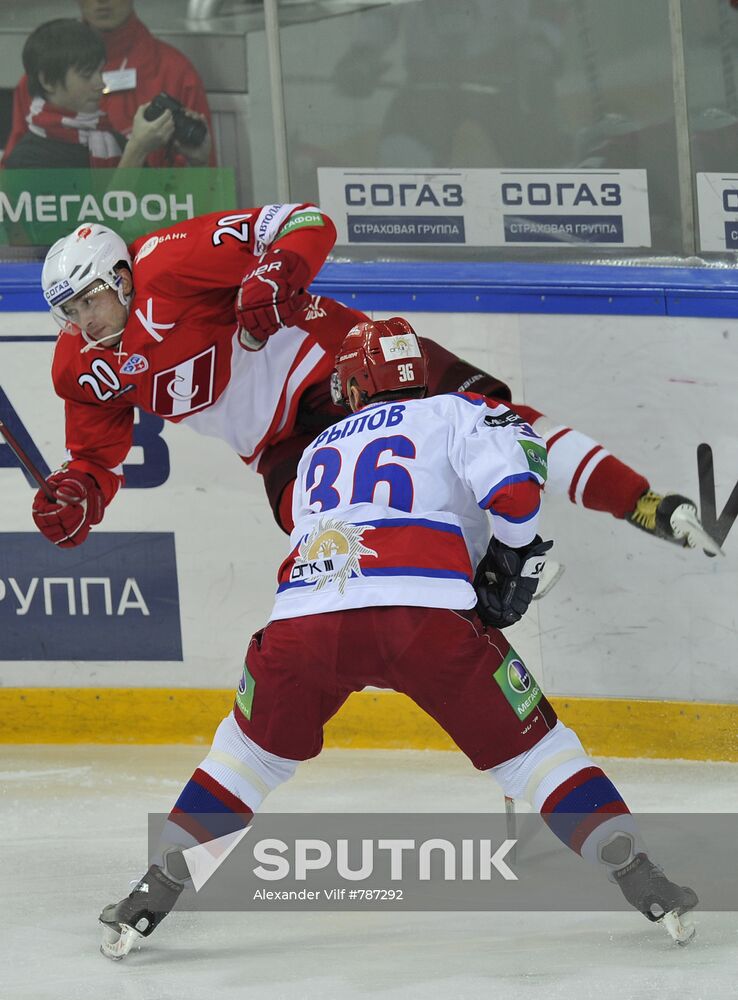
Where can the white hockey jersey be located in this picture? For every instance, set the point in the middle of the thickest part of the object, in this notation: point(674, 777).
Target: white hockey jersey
point(392, 504)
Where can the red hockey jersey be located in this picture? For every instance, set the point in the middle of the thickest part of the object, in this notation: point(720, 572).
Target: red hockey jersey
point(179, 355)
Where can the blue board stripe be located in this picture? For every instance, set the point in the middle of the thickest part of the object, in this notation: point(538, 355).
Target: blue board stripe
point(475, 286)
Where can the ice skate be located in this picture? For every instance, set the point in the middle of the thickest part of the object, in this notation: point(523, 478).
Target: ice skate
point(673, 518)
point(646, 888)
point(135, 917)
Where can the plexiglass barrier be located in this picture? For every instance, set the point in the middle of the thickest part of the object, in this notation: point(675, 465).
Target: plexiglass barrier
point(429, 129)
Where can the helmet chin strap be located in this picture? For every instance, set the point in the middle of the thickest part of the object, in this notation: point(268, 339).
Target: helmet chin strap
point(100, 345)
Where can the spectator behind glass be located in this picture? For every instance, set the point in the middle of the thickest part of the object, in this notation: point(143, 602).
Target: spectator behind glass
point(63, 60)
point(137, 68)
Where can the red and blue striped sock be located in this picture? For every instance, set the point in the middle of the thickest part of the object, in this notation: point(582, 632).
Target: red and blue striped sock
point(580, 804)
point(206, 810)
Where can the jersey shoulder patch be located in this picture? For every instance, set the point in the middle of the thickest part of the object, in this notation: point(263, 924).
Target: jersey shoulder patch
point(536, 456)
point(506, 419)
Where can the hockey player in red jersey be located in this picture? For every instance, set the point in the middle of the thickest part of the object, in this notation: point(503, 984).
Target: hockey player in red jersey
point(182, 327)
point(379, 588)
point(155, 328)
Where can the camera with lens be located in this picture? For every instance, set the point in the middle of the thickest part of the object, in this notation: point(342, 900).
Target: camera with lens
point(187, 131)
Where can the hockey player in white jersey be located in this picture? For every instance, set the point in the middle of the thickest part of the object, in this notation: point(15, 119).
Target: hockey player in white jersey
point(390, 581)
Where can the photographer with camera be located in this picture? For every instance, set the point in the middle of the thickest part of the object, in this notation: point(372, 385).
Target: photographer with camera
point(190, 134)
point(63, 60)
point(137, 68)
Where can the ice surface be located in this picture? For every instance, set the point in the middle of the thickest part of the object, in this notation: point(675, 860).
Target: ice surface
point(74, 833)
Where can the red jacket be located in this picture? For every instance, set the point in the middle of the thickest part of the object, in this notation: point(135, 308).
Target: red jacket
point(158, 67)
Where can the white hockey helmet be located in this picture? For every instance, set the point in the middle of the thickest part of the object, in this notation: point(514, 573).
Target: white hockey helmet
point(90, 253)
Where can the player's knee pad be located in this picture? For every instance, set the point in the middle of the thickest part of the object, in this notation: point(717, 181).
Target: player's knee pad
point(533, 775)
point(243, 767)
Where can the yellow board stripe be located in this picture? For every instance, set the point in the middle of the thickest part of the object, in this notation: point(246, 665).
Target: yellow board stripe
point(369, 719)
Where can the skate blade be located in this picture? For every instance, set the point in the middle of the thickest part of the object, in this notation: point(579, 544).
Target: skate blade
point(116, 944)
point(686, 525)
point(678, 930)
point(552, 573)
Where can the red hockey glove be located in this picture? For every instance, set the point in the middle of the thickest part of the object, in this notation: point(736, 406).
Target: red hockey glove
point(271, 296)
point(80, 504)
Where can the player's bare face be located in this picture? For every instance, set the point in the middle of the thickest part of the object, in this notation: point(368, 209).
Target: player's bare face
point(99, 312)
point(105, 15)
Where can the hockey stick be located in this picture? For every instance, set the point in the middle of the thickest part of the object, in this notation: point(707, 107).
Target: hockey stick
point(716, 527)
point(26, 462)
point(511, 824)
point(549, 578)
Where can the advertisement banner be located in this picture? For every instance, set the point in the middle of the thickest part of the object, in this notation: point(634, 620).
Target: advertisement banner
point(717, 205)
point(38, 207)
point(487, 208)
point(115, 598)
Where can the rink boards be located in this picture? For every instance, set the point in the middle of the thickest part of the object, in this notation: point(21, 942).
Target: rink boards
point(370, 719)
point(141, 636)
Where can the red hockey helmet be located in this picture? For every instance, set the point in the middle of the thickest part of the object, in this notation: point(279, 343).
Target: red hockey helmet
point(380, 356)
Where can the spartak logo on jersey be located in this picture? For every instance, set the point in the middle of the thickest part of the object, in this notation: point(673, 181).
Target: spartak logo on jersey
point(135, 365)
point(185, 387)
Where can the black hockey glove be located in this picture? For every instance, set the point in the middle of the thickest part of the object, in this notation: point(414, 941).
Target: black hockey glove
point(506, 580)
